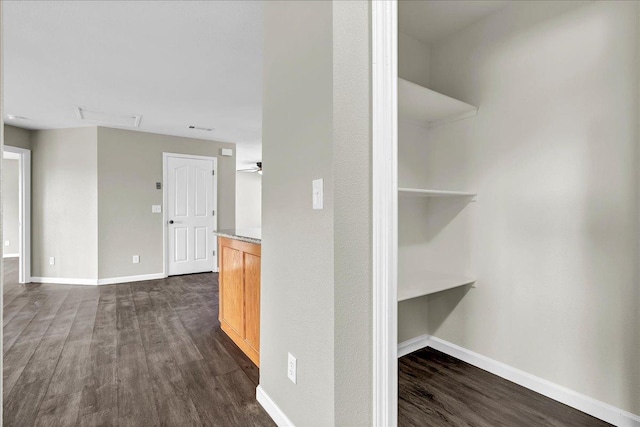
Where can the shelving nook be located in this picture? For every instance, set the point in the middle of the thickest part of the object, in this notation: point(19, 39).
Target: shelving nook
point(428, 108)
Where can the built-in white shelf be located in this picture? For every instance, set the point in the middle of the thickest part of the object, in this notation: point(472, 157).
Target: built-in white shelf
point(428, 282)
point(417, 103)
point(420, 192)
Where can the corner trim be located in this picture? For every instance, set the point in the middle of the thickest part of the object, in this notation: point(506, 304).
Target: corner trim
point(384, 127)
point(272, 409)
point(127, 279)
point(16, 255)
point(581, 402)
point(414, 344)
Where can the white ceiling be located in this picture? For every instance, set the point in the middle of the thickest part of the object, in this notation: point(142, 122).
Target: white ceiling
point(430, 21)
point(176, 63)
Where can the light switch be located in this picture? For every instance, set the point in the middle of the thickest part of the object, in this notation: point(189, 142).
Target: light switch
point(7, 243)
point(156, 208)
point(318, 195)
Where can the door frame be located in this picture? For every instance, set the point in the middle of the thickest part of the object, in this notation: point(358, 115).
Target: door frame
point(165, 175)
point(24, 211)
point(384, 85)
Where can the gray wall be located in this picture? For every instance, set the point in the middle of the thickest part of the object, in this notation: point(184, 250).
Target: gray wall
point(553, 154)
point(316, 264)
point(352, 213)
point(64, 203)
point(10, 205)
point(297, 306)
point(17, 137)
point(130, 164)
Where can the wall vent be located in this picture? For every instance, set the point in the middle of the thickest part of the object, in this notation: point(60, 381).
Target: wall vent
point(131, 120)
point(201, 128)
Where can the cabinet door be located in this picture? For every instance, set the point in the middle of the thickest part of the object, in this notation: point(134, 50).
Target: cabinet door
point(252, 300)
point(232, 289)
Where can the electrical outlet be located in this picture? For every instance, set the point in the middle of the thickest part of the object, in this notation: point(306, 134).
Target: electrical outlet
point(52, 261)
point(136, 259)
point(7, 243)
point(292, 367)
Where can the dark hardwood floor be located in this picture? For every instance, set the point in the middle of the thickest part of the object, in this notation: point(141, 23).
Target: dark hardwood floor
point(438, 390)
point(141, 354)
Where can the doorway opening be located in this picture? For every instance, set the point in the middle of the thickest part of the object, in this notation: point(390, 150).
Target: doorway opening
point(17, 209)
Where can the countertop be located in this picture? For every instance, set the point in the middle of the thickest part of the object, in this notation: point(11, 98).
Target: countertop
point(249, 235)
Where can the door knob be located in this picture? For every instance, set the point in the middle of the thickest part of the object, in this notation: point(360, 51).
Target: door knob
point(170, 221)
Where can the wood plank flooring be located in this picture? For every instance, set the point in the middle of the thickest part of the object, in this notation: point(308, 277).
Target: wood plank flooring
point(438, 390)
point(140, 354)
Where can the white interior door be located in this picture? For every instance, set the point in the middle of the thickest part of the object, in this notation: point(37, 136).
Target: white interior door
point(190, 212)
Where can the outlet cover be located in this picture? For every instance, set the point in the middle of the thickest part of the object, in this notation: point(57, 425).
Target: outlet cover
point(52, 261)
point(7, 243)
point(136, 259)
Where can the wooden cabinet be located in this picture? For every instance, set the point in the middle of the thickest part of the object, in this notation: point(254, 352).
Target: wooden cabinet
point(240, 294)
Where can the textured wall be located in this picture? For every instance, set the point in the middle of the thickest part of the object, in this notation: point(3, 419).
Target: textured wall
point(553, 155)
point(129, 165)
point(64, 207)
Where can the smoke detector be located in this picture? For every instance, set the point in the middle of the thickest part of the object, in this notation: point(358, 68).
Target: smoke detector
point(131, 120)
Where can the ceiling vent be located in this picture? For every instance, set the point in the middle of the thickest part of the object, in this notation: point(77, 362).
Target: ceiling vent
point(201, 128)
point(131, 120)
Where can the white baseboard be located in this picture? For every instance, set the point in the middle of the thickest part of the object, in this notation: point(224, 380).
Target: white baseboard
point(127, 279)
point(95, 282)
point(272, 409)
point(412, 345)
point(64, 281)
point(10, 255)
point(586, 404)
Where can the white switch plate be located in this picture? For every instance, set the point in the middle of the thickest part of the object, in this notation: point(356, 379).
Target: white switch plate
point(156, 208)
point(52, 261)
point(318, 193)
point(136, 259)
point(7, 243)
point(292, 367)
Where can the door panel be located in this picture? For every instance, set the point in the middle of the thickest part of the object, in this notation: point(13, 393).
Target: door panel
point(252, 300)
point(200, 243)
point(182, 242)
point(232, 295)
point(190, 214)
point(181, 190)
point(200, 192)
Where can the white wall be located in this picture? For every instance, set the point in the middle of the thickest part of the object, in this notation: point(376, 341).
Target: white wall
point(248, 200)
point(10, 206)
point(553, 154)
